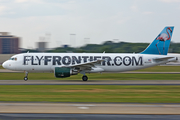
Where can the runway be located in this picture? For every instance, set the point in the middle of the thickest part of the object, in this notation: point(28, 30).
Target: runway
point(90, 82)
point(90, 108)
point(88, 111)
point(86, 117)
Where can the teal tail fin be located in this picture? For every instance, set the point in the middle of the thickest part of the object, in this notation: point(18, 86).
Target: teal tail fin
point(161, 43)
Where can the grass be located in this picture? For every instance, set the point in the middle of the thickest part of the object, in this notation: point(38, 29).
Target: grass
point(161, 69)
point(94, 93)
point(90, 93)
point(103, 76)
point(1, 67)
point(93, 76)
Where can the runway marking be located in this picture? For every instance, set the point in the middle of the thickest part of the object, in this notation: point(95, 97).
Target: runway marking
point(87, 105)
point(84, 108)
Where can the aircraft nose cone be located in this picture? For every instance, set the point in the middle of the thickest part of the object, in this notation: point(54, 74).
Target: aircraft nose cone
point(4, 65)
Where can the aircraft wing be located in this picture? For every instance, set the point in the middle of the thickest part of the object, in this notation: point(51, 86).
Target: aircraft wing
point(85, 66)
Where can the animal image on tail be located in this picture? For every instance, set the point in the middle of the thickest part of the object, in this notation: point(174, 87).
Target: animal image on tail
point(161, 43)
point(163, 37)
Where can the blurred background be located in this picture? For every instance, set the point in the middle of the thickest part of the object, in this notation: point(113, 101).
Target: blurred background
point(85, 26)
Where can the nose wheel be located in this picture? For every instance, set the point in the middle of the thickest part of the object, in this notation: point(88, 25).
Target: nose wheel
point(84, 78)
point(26, 76)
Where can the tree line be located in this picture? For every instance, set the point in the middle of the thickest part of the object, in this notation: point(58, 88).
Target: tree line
point(109, 47)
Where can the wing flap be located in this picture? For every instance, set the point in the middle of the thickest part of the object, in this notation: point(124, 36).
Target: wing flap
point(87, 65)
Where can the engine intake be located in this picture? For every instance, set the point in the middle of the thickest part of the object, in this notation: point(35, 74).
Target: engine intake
point(62, 72)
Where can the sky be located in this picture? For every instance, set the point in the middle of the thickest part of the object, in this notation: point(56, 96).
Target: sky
point(80, 22)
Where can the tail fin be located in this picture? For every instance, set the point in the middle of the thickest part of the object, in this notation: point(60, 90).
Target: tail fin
point(161, 44)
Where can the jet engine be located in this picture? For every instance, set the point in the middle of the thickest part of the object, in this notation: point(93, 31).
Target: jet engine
point(62, 72)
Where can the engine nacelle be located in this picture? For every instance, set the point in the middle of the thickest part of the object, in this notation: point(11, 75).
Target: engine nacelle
point(61, 72)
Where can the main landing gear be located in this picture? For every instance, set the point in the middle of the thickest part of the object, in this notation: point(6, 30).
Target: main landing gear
point(26, 76)
point(84, 78)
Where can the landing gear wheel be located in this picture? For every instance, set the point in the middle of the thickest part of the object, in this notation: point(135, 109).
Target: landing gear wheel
point(84, 78)
point(25, 78)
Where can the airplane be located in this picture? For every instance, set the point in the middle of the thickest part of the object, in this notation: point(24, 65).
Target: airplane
point(67, 64)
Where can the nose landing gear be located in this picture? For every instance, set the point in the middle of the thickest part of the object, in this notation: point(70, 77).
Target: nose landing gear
point(26, 76)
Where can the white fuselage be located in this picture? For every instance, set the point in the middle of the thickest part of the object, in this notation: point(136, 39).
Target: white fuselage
point(112, 62)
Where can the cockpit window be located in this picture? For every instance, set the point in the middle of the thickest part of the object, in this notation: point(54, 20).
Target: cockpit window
point(13, 59)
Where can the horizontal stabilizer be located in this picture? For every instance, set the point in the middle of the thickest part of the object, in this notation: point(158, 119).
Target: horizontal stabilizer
point(160, 59)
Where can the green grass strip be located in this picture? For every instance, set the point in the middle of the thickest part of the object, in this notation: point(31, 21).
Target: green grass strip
point(93, 76)
point(161, 69)
point(90, 93)
point(1, 67)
